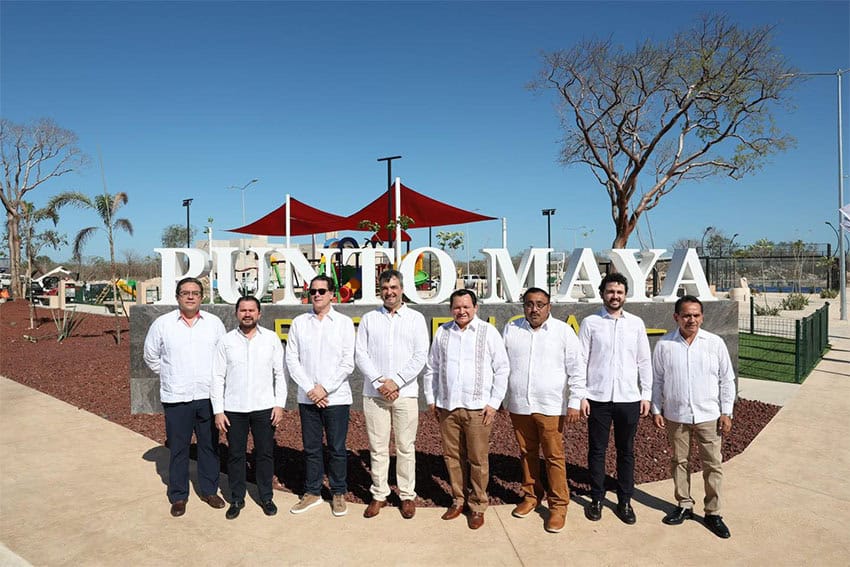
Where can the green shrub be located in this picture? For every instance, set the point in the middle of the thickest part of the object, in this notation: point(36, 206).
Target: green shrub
point(766, 310)
point(828, 293)
point(794, 302)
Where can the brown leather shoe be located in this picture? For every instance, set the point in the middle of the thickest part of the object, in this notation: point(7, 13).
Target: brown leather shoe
point(556, 521)
point(214, 500)
point(178, 508)
point(475, 520)
point(374, 508)
point(524, 508)
point(408, 509)
point(453, 512)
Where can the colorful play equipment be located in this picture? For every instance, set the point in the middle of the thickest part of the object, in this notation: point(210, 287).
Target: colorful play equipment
point(127, 286)
point(347, 279)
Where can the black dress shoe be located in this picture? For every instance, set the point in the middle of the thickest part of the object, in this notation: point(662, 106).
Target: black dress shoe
point(269, 508)
point(716, 525)
point(678, 515)
point(626, 513)
point(233, 512)
point(593, 511)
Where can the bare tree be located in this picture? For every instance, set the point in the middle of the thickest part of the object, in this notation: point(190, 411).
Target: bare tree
point(692, 107)
point(106, 206)
point(31, 154)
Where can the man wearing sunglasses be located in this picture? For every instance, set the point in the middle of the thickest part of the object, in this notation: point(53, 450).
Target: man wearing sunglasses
point(545, 389)
point(320, 359)
point(179, 347)
point(392, 345)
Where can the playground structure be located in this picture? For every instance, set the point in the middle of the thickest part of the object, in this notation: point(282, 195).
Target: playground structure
point(347, 278)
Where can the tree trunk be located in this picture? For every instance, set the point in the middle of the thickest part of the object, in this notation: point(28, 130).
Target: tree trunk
point(17, 286)
point(115, 293)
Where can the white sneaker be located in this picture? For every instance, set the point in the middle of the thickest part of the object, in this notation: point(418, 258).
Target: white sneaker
point(307, 501)
point(339, 508)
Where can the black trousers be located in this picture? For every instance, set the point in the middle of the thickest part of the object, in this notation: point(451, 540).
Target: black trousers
point(624, 416)
point(181, 420)
point(260, 424)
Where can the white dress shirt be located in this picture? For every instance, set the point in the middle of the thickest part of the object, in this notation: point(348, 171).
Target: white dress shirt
point(321, 351)
point(619, 364)
point(182, 355)
point(391, 346)
point(466, 368)
point(248, 374)
point(693, 383)
point(544, 361)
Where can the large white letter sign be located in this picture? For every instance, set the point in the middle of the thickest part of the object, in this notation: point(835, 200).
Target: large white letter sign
point(293, 259)
point(625, 263)
point(685, 269)
point(408, 272)
point(368, 259)
point(581, 271)
point(499, 264)
point(227, 289)
point(171, 274)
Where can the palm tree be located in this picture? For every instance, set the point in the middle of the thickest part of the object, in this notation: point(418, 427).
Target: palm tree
point(106, 206)
point(34, 241)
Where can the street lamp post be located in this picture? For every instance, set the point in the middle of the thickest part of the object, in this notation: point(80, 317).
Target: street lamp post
point(187, 203)
point(548, 214)
point(242, 190)
point(702, 240)
point(842, 266)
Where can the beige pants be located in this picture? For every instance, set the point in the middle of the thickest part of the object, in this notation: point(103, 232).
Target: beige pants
point(708, 443)
point(402, 416)
point(466, 450)
point(538, 432)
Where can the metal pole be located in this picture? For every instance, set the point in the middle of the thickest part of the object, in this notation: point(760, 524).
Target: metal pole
point(389, 161)
point(842, 275)
point(548, 214)
point(187, 203)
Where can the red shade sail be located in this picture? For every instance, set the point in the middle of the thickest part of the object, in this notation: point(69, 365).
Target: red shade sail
point(304, 219)
point(424, 211)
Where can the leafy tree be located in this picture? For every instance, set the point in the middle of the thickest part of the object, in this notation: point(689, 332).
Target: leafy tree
point(174, 236)
point(694, 106)
point(106, 206)
point(450, 240)
point(31, 154)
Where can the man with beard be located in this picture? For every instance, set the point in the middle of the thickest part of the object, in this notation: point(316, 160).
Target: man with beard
point(320, 359)
point(693, 395)
point(545, 389)
point(179, 347)
point(619, 388)
point(465, 380)
point(391, 348)
point(249, 392)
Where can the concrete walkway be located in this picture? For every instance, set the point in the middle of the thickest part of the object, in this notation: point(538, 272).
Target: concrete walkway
point(78, 490)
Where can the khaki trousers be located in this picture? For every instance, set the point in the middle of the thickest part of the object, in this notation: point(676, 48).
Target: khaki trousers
point(708, 443)
point(466, 450)
point(402, 416)
point(538, 432)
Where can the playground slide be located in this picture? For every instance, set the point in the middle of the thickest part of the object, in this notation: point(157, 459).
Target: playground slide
point(128, 287)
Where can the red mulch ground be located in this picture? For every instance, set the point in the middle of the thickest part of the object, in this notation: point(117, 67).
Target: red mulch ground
point(89, 371)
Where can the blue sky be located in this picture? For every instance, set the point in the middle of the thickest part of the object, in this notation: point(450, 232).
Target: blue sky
point(183, 100)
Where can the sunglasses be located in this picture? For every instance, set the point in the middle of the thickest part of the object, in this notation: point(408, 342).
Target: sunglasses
point(322, 291)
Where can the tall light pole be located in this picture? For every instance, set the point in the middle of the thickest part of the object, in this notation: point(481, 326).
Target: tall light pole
point(242, 190)
point(548, 214)
point(702, 240)
point(842, 265)
point(389, 161)
point(187, 203)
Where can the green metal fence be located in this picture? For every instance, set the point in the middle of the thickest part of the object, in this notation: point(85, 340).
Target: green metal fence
point(784, 350)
